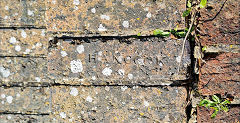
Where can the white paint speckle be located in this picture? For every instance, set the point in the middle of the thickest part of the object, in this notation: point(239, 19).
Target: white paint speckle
point(100, 53)
point(38, 79)
point(53, 1)
point(140, 61)
point(12, 40)
point(18, 95)
point(93, 77)
point(3, 95)
point(149, 15)
point(101, 28)
point(63, 53)
point(43, 33)
point(80, 49)
point(30, 13)
point(2, 102)
point(5, 17)
point(125, 24)
point(63, 115)
point(93, 10)
point(130, 76)
point(18, 48)
point(76, 66)
point(9, 117)
point(146, 103)
point(23, 34)
point(107, 71)
point(27, 51)
point(74, 91)
point(178, 59)
point(106, 17)
point(5, 72)
point(76, 2)
point(89, 99)
point(39, 44)
point(107, 88)
point(121, 72)
point(123, 88)
point(160, 64)
point(9, 99)
point(146, 9)
point(6, 8)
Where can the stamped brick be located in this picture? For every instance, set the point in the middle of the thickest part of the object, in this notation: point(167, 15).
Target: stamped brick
point(148, 61)
point(20, 70)
point(13, 118)
point(220, 74)
point(22, 13)
point(110, 17)
point(21, 42)
point(232, 116)
point(220, 26)
point(118, 104)
point(29, 100)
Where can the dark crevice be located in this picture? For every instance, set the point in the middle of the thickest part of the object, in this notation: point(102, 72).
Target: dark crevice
point(23, 56)
point(15, 113)
point(25, 27)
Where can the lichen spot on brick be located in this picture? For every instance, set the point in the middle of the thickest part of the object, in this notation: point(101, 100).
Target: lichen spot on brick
point(38, 79)
point(27, 51)
point(23, 34)
point(146, 103)
point(63, 115)
point(9, 99)
point(130, 76)
point(93, 77)
point(107, 88)
point(93, 10)
point(89, 99)
point(106, 17)
point(4, 72)
point(30, 13)
point(107, 71)
point(125, 24)
point(76, 2)
point(149, 15)
point(123, 88)
point(12, 40)
point(6, 17)
point(6, 8)
point(18, 95)
point(3, 95)
point(18, 48)
point(39, 44)
point(9, 117)
point(76, 66)
point(121, 72)
point(140, 61)
point(63, 53)
point(80, 49)
point(101, 28)
point(178, 59)
point(74, 91)
point(43, 33)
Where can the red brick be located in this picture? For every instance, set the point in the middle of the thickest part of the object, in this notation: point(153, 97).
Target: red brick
point(224, 29)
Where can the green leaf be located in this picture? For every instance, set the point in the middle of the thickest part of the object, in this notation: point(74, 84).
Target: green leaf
point(189, 5)
point(181, 34)
point(186, 12)
point(204, 48)
point(165, 34)
point(214, 114)
point(226, 102)
point(215, 98)
point(203, 3)
point(139, 34)
point(215, 108)
point(203, 102)
point(157, 32)
point(224, 108)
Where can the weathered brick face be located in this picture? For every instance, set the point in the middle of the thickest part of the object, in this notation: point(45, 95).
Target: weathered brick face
point(220, 74)
point(220, 23)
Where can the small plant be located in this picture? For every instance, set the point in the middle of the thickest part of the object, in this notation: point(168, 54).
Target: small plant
point(217, 104)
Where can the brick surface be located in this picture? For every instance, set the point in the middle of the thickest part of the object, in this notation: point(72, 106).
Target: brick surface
point(119, 104)
point(22, 13)
point(27, 71)
point(220, 74)
point(148, 61)
point(232, 116)
point(22, 42)
point(10, 118)
point(220, 27)
point(110, 17)
point(29, 100)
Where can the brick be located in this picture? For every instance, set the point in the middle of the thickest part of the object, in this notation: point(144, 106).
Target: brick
point(29, 100)
point(204, 115)
point(19, 13)
point(21, 42)
point(13, 118)
point(118, 104)
point(220, 27)
point(23, 71)
point(223, 48)
point(220, 74)
point(148, 61)
point(99, 17)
